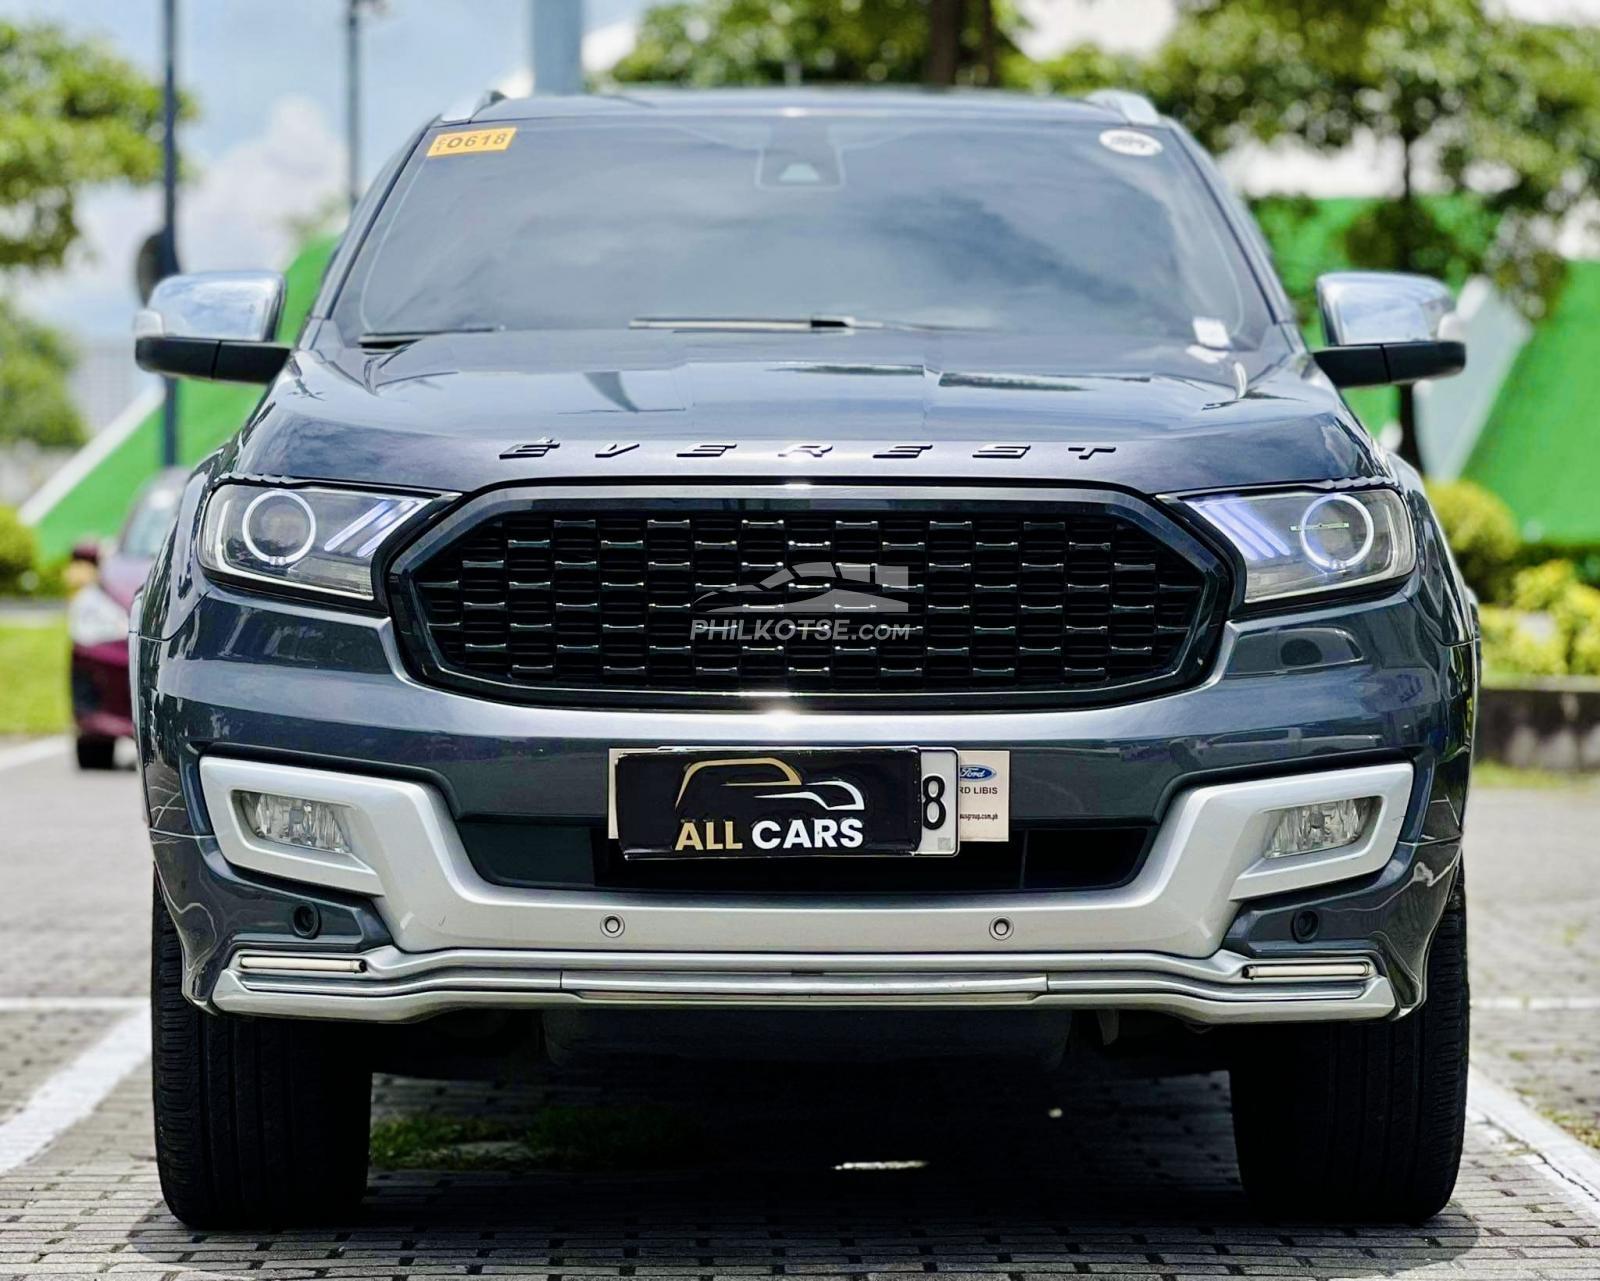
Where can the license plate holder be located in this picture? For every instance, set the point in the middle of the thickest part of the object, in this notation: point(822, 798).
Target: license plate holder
point(782, 803)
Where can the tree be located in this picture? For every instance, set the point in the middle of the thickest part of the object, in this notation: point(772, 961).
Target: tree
point(1495, 123)
point(72, 114)
point(34, 402)
point(752, 42)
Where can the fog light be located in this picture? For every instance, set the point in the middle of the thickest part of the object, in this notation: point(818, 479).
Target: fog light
point(291, 820)
point(1305, 829)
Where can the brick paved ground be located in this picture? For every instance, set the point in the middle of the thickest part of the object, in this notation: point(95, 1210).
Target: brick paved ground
point(1534, 906)
point(1134, 1177)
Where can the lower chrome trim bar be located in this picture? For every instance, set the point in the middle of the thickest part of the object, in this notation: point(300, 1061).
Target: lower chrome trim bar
point(387, 985)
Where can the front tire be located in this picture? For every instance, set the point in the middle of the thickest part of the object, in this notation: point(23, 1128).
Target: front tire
point(260, 1123)
point(1361, 1121)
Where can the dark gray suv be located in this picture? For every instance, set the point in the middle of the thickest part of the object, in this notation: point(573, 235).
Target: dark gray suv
point(800, 553)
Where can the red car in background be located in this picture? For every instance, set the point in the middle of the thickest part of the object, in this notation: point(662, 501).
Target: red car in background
point(97, 620)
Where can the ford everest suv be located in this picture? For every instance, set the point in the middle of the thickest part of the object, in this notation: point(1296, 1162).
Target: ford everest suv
point(797, 552)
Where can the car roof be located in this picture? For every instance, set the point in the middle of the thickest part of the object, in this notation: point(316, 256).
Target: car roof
point(904, 103)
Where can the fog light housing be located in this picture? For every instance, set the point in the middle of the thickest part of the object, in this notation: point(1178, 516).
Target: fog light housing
point(293, 820)
point(1326, 825)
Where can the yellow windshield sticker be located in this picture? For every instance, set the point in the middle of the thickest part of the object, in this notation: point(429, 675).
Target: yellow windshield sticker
point(469, 142)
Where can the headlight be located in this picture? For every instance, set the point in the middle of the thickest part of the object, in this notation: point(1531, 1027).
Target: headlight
point(93, 618)
point(318, 539)
point(1294, 544)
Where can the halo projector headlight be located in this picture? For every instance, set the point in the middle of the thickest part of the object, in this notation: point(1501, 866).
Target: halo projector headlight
point(315, 539)
point(1296, 542)
point(278, 527)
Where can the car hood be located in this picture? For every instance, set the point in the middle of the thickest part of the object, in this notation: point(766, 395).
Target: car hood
point(463, 412)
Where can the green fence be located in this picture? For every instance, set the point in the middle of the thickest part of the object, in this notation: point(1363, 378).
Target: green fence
point(1540, 450)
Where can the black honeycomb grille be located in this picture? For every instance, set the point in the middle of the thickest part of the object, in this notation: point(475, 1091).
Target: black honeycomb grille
point(593, 599)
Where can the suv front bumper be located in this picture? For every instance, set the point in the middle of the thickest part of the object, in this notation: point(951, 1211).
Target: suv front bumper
point(268, 696)
point(459, 940)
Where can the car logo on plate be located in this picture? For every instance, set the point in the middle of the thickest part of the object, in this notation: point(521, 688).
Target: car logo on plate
point(783, 784)
point(976, 773)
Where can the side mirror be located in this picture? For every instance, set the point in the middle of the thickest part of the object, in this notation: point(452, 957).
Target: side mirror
point(1386, 327)
point(213, 324)
point(86, 552)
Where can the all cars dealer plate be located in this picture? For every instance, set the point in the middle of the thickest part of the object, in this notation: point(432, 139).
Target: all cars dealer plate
point(755, 803)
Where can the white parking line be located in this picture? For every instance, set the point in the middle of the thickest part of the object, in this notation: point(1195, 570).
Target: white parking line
point(72, 1094)
point(28, 753)
point(69, 1004)
point(1536, 1003)
point(1569, 1164)
point(75, 1091)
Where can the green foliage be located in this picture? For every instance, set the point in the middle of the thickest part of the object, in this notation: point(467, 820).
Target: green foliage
point(1584, 557)
point(1551, 629)
point(72, 114)
point(47, 580)
point(17, 550)
point(555, 1137)
point(1512, 648)
point(1481, 532)
point(1076, 71)
point(1506, 110)
point(1543, 587)
point(1539, 620)
point(34, 401)
point(751, 42)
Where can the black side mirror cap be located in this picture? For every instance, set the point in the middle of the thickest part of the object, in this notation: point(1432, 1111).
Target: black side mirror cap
point(217, 360)
point(1384, 364)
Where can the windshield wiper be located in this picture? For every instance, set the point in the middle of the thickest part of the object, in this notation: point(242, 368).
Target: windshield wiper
point(400, 338)
point(767, 324)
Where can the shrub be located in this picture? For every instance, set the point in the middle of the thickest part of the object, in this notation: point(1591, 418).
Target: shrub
point(1551, 629)
point(1584, 556)
point(1543, 586)
point(1481, 532)
point(1513, 647)
point(48, 579)
point(17, 550)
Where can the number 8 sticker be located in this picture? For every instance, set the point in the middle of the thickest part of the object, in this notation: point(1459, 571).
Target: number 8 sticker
point(934, 810)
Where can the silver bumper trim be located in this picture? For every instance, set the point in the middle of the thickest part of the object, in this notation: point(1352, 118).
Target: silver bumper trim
point(1205, 861)
point(391, 986)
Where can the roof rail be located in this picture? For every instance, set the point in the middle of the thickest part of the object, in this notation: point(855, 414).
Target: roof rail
point(1133, 107)
point(463, 109)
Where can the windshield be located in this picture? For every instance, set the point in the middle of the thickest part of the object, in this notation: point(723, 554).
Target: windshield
point(149, 521)
point(818, 219)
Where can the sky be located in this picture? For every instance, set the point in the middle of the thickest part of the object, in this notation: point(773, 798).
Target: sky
point(267, 147)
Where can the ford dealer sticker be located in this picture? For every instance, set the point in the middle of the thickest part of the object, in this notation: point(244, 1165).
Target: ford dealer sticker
point(1130, 142)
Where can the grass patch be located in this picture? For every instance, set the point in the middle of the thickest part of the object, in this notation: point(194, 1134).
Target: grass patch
point(1586, 1129)
point(33, 695)
point(1493, 774)
point(557, 1138)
